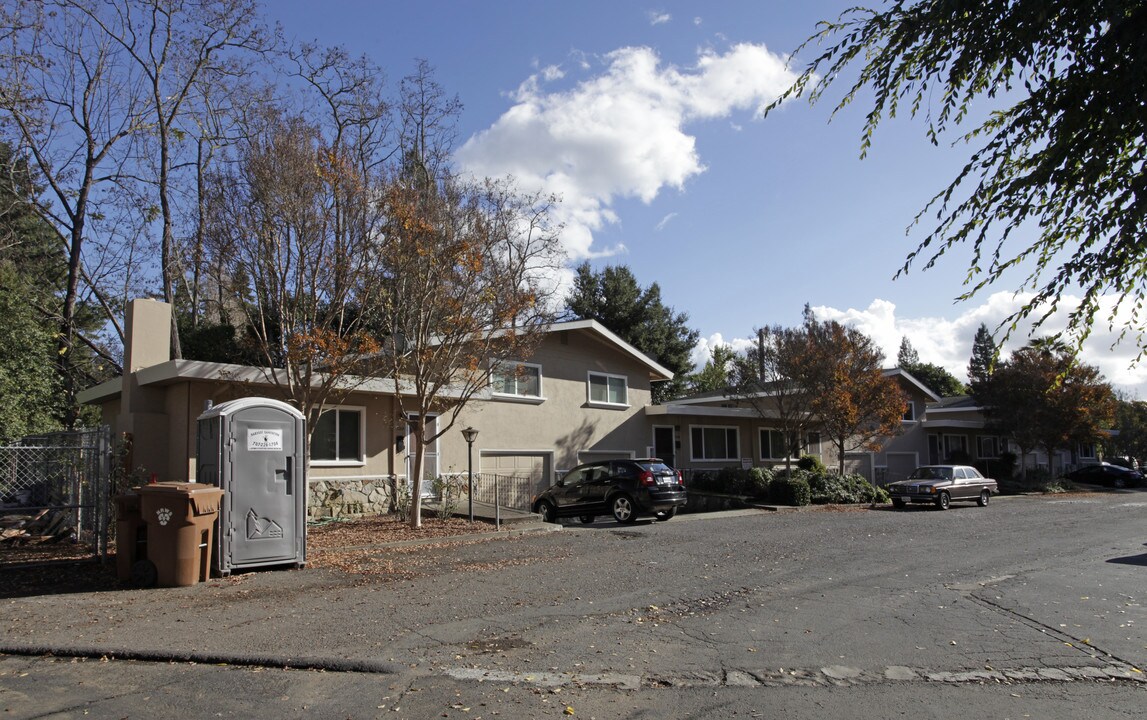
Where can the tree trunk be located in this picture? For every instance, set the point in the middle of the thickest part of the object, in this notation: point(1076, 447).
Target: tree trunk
point(419, 429)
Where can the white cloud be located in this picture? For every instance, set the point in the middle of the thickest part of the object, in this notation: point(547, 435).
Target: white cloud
point(948, 341)
point(665, 221)
point(658, 18)
point(620, 133)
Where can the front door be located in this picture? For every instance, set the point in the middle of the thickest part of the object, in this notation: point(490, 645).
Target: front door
point(429, 457)
point(663, 445)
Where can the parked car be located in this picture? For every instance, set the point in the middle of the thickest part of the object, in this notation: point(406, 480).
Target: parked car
point(940, 485)
point(624, 488)
point(1106, 474)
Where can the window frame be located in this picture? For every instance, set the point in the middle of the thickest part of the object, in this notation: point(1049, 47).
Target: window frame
point(736, 457)
point(338, 460)
point(765, 436)
point(909, 412)
point(496, 370)
point(590, 375)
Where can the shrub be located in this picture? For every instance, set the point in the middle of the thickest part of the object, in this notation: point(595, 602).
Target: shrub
point(811, 463)
point(703, 482)
point(845, 489)
point(784, 490)
point(758, 484)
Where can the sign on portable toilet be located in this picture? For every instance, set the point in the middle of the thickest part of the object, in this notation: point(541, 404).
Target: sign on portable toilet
point(253, 448)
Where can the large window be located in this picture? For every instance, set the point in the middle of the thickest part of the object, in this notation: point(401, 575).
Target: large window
point(608, 389)
point(772, 445)
point(523, 380)
point(955, 444)
point(337, 436)
point(715, 443)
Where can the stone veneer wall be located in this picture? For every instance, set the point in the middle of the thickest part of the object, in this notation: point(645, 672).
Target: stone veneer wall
point(338, 497)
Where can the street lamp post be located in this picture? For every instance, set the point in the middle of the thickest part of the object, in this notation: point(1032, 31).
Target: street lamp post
point(470, 434)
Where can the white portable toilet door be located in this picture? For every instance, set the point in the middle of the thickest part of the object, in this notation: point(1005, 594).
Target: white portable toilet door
point(263, 516)
point(429, 457)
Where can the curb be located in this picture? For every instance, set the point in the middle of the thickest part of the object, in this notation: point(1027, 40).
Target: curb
point(330, 664)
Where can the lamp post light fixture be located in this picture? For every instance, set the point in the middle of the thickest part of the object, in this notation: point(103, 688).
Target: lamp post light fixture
point(470, 434)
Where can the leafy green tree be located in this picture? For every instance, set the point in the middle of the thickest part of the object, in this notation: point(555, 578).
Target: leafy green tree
point(980, 366)
point(1059, 146)
point(907, 355)
point(714, 375)
point(1042, 397)
point(1130, 438)
point(614, 298)
point(31, 269)
point(934, 377)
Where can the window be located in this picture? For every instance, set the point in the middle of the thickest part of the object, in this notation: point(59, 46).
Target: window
point(715, 443)
point(1087, 451)
point(608, 389)
point(772, 445)
point(337, 436)
point(910, 413)
point(955, 444)
point(514, 379)
point(990, 446)
point(812, 444)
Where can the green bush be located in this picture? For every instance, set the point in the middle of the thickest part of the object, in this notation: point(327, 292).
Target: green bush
point(844, 489)
point(753, 482)
point(758, 484)
point(811, 463)
point(784, 490)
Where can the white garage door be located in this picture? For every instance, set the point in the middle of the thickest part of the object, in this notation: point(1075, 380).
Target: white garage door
point(520, 476)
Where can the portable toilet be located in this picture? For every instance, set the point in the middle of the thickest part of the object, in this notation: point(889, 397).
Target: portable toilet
point(253, 448)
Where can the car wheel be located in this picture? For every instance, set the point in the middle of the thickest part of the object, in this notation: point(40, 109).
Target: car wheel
point(548, 512)
point(1118, 483)
point(944, 501)
point(985, 496)
point(898, 504)
point(586, 519)
point(666, 514)
point(623, 509)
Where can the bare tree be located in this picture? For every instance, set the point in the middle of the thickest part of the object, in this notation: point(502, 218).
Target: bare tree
point(300, 277)
point(175, 47)
point(73, 114)
point(466, 271)
point(769, 379)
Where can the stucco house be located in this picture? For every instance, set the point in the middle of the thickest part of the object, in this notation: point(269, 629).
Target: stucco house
point(582, 396)
point(715, 430)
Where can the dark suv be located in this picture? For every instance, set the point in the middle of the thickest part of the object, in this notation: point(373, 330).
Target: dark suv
point(623, 488)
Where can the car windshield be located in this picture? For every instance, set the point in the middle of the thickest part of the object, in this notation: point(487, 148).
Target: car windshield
point(931, 473)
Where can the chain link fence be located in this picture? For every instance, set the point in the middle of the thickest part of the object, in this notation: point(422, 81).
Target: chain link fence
point(57, 487)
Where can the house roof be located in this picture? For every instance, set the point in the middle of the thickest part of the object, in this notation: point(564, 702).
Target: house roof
point(173, 371)
point(657, 371)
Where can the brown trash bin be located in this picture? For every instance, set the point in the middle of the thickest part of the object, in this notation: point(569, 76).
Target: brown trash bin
point(130, 534)
point(180, 519)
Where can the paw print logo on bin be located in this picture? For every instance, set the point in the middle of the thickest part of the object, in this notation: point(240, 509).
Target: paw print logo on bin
point(164, 515)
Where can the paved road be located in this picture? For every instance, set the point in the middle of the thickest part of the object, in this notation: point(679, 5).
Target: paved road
point(1031, 607)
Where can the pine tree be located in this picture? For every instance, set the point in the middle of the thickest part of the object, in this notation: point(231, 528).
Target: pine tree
point(982, 363)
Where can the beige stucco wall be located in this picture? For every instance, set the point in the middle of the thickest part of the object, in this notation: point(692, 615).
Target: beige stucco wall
point(565, 423)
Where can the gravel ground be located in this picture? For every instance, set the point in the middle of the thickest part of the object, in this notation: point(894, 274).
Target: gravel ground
point(65, 567)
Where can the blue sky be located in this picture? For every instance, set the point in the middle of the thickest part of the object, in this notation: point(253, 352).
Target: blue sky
point(645, 117)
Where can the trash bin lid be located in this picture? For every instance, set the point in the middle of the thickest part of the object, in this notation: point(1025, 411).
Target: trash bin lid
point(178, 487)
